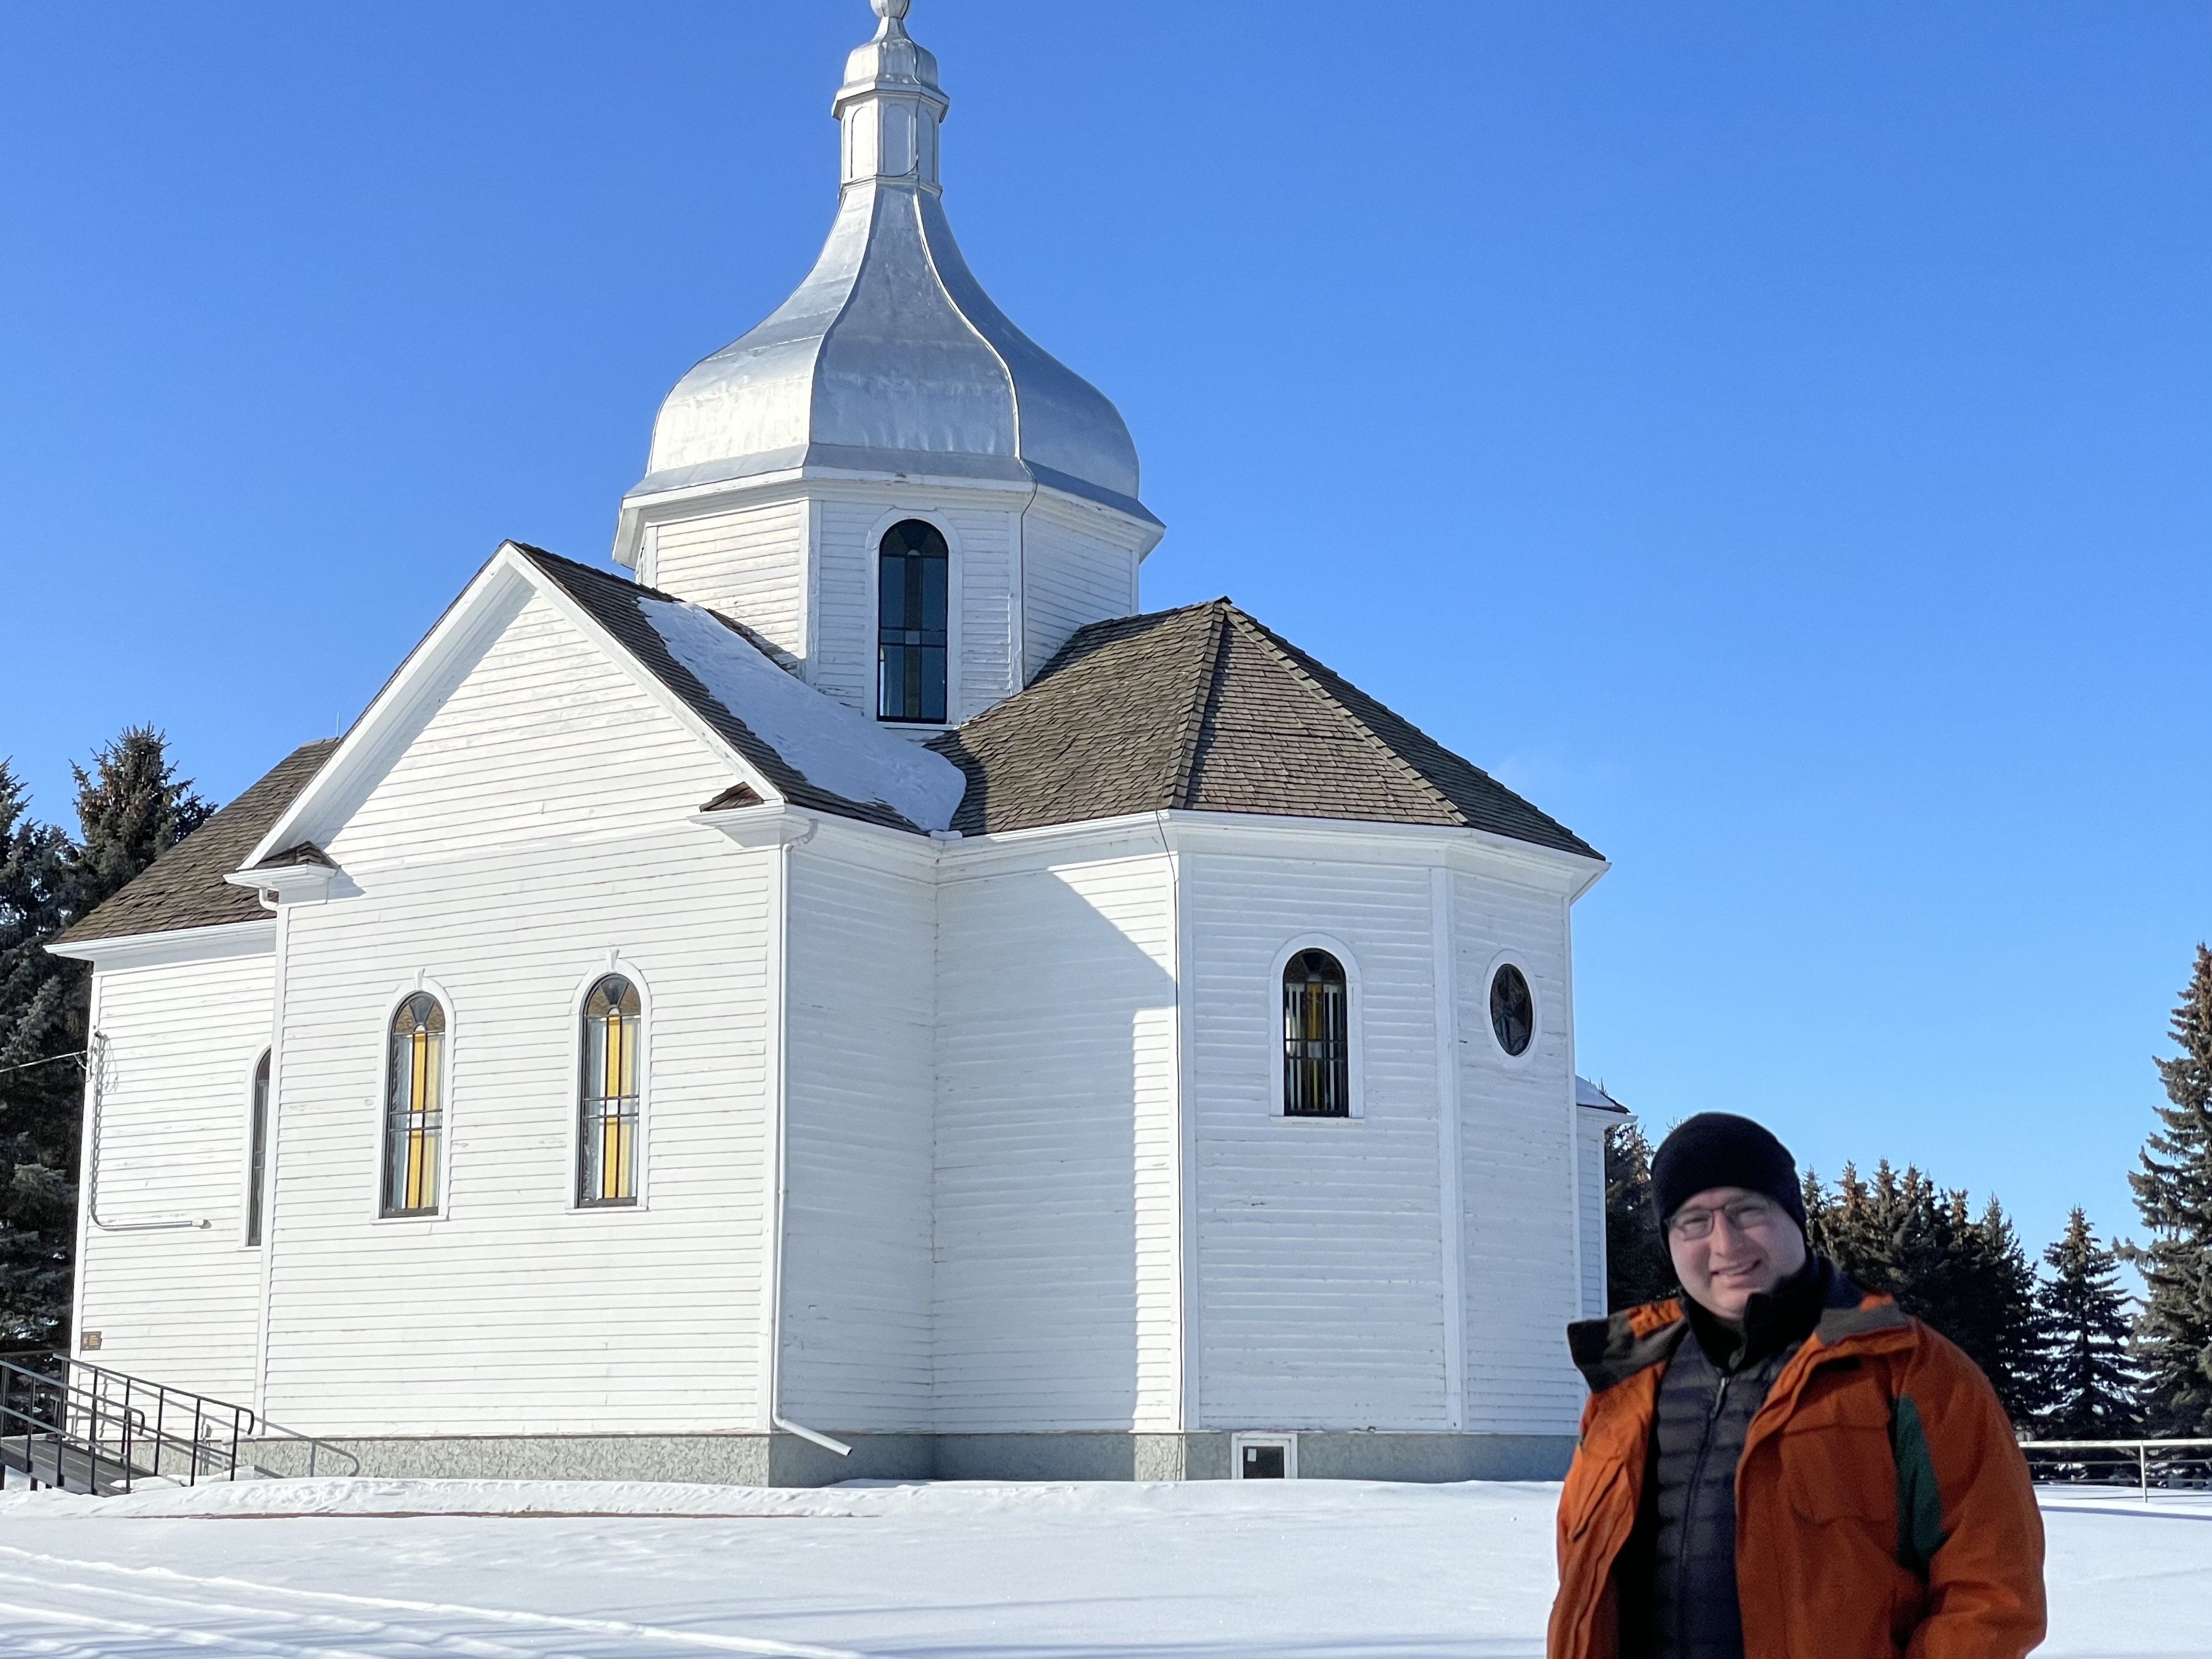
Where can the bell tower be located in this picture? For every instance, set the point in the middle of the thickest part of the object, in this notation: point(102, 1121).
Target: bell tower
point(886, 477)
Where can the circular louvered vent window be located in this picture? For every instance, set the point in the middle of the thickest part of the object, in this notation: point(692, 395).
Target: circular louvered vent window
point(1512, 1010)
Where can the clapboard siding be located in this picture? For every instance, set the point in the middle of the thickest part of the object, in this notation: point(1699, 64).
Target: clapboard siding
point(985, 583)
point(859, 1107)
point(1072, 575)
point(1320, 1242)
point(532, 834)
point(1589, 1152)
point(844, 660)
point(750, 563)
point(1054, 1063)
point(179, 1306)
point(1516, 1133)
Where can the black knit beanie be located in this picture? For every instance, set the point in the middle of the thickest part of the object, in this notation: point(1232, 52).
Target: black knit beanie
point(1718, 1149)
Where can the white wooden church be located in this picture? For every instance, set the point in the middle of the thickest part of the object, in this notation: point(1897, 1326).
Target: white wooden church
point(852, 995)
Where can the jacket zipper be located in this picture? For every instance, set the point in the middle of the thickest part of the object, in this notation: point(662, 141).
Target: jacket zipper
point(1690, 1512)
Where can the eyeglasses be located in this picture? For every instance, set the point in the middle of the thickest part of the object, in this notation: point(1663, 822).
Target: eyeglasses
point(1746, 1215)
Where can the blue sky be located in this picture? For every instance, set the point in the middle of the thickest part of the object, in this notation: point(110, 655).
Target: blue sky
point(1773, 438)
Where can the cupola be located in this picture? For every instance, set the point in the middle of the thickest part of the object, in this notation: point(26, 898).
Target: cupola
point(889, 376)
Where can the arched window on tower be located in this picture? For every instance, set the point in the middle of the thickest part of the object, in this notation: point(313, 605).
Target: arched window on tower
point(913, 570)
point(1316, 1037)
point(606, 1160)
point(414, 1107)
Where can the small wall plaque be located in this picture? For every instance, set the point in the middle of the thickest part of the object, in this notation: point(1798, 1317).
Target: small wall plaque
point(88, 1342)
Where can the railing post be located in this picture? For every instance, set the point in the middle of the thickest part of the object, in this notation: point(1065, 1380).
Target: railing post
point(2142, 1458)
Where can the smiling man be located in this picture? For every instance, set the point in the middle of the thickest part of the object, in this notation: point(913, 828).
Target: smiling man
point(1777, 1465)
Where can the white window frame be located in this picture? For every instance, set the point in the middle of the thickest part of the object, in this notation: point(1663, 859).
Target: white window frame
point(955, 565)
point(1537, 1002)
point(1355, 1055)
point(422, 984)
point(614, 963)
point(1288, 1442)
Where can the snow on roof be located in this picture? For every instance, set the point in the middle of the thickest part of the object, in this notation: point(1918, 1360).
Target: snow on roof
point(1593, 1094)
point(833, 747)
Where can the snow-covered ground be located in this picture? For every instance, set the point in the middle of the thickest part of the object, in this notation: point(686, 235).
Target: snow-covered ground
point(377, 1570)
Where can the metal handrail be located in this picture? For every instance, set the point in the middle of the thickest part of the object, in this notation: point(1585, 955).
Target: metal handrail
point(2141, 1449)
point(131, 1426)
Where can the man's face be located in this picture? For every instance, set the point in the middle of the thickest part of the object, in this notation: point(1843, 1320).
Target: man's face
point(1729, 1245)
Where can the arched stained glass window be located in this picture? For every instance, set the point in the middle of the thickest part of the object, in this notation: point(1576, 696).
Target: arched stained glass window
point(256, 1157)
point(1316, 1037)
point(606, 1164)
point(913, 567)
point(414, 1107)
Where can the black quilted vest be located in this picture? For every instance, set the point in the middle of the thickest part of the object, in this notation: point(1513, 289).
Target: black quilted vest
point(1677, 1575)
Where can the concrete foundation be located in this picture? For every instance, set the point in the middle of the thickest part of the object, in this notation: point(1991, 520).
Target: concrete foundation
point(784, 1460)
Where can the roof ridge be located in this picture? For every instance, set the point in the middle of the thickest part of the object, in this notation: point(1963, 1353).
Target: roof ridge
point(1288, 655)
point(1205, 699)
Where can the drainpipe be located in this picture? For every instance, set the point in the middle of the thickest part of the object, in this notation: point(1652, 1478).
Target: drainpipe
point(780, 944)
point(95, 1072)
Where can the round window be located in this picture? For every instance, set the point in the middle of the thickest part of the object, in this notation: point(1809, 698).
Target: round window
point(1512, 1010)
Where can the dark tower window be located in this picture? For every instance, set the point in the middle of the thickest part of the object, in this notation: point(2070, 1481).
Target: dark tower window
point(257, 1159)
point(1316, 1041)
point(911, 568)
point(1512, 1010)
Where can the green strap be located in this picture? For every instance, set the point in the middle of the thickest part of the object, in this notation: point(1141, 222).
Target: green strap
point(1919, 1501)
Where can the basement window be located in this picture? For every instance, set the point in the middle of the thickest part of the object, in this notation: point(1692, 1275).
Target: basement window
point(1264, 1457)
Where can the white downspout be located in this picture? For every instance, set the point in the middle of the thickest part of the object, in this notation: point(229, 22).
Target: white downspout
point(779, 1026)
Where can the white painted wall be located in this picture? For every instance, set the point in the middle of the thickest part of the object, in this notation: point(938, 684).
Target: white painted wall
point(1589, 1153)
point(1518, 1135)
point(178, 1304)
point(1055, 1069)
point(860, 1106)
point(1319, 1241)
point(1078, 567)
point(534, 832)
point(750, 562)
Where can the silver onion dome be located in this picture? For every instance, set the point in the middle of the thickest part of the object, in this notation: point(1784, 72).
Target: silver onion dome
point(889, 358)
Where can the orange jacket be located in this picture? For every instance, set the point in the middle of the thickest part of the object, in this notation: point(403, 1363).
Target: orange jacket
point(1882, 1505)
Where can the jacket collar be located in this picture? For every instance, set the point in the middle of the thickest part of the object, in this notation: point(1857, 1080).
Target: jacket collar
point(1609, 1350)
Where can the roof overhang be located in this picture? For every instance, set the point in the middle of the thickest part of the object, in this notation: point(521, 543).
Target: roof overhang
point(235, 939)
point(678, 492)
point(1178, 827)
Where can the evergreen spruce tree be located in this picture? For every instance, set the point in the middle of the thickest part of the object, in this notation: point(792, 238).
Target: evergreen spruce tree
point(36, 1194)
point(2173, 1194)
point(1636, 1266)
point(2090, 1378)
point(1966, 1275)
point(2007, 1315)
point(131, 808)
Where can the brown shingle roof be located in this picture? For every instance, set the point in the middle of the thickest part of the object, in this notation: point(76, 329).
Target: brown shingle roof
point(1206, 709)
point(185, 887)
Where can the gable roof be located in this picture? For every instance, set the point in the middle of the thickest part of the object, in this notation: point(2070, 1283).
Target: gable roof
point(1204, 709)
point(616, 604)
point(185, 887)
